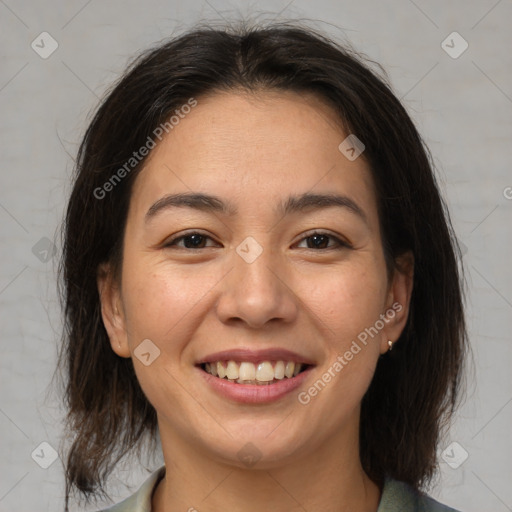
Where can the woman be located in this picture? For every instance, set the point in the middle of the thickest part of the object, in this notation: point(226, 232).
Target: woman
point(258, 266)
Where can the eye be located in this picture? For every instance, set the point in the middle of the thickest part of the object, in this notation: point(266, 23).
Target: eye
point(195, 240)
point(192, 240)
point(319, 239)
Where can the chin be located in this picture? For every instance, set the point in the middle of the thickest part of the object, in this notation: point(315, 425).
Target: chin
point(260, 447)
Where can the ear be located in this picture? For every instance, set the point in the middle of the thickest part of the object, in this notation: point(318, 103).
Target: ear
point(112, 311)
point(398, 300)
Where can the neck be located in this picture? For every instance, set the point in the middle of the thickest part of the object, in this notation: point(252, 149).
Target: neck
point(330, 479)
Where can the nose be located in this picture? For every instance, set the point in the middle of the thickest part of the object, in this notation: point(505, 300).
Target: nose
point(257, 292)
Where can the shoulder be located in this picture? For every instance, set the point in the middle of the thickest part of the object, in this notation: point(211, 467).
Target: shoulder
point(140, 501)
point(399, 494)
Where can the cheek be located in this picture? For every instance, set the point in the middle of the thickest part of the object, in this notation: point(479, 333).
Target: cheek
point(160, 306)
point(156, 303)
point(346, 300)
point(348, 303)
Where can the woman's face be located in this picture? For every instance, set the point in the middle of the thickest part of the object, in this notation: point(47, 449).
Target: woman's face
point(252, 283)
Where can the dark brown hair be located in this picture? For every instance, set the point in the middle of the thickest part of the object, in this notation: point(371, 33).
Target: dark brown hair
point(415, 387)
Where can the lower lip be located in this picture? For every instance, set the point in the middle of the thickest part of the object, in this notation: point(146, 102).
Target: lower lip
point(254, 393)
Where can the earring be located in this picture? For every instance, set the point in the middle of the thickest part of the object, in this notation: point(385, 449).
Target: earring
point(390, 345)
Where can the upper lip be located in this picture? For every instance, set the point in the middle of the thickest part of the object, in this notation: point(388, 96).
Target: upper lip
point(256, 356)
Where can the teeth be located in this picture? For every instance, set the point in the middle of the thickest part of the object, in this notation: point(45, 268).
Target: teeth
point(265, 372)
point(245, 372)
point(279, 370)
point(221, 371)
point(290, 367)
point(232, 370)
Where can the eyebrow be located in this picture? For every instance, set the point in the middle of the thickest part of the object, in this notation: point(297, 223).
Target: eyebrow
point(293, 204)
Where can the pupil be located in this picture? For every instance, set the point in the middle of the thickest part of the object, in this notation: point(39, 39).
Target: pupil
point(316, 239)
point(196, 240)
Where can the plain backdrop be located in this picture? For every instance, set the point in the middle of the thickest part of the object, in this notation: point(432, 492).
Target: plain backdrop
point(461, 102)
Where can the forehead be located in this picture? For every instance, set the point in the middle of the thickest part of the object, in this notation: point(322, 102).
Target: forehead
point(253, 148)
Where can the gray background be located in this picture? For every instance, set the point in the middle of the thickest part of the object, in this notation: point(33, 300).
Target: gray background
point(461, 105)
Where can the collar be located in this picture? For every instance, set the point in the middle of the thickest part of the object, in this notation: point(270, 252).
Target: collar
point(396, 496)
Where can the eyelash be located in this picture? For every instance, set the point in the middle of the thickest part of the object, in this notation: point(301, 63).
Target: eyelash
point(341, 244)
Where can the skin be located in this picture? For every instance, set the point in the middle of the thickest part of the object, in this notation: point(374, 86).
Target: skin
point(255, 150)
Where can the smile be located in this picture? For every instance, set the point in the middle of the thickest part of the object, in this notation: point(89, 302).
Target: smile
point(249, 376)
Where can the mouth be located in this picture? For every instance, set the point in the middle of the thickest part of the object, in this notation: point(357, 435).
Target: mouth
point(262, 373)
point(254, 376)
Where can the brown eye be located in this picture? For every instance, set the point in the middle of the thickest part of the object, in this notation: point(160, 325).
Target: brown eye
point(320, 240)
point(193, 240)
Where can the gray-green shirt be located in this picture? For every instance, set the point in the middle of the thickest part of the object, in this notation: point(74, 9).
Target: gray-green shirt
point(396, 497)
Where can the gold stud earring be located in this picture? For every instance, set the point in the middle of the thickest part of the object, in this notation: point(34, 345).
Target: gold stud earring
point(390, 345)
